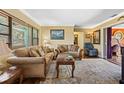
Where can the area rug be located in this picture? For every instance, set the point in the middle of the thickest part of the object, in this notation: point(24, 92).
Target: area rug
point(87, 71)
point(116, 60)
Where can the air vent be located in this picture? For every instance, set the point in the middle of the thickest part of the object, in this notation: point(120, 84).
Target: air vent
point(114, 15)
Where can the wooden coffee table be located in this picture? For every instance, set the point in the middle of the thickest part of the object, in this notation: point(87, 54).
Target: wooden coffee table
point(10, 75)
point(61, 60)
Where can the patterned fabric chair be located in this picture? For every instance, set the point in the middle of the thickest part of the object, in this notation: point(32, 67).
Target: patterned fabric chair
point(89, 50)
point(115, 49)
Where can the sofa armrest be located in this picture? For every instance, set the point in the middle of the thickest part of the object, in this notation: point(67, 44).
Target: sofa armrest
point(81, 53)
point(26, 60)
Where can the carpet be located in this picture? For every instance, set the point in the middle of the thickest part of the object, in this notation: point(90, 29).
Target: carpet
point(116, 60)
point(87, 71)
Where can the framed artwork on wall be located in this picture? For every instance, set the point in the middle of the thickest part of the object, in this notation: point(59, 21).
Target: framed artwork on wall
point(96, 37)
point(57, 34)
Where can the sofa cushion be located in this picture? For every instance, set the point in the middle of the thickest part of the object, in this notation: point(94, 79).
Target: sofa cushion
point(70, 47)
point(49, 57)
point(33, 51)
point(40, 51)
point(74, 54)
point(21, 52)
point(47, 50)
point(62, 48)
point(74, 48)
point(65, 47)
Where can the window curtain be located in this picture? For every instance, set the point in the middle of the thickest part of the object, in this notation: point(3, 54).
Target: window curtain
point(109, 35)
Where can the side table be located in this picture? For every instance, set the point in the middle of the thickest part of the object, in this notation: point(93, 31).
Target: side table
point(10, 75)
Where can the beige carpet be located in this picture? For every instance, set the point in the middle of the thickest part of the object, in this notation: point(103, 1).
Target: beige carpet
point(87, 71)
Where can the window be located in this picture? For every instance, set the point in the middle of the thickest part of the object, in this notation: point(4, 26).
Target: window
point(4, 28)
point(19, 35)
point(3, 19)
point(16, 33)
point(35, 36)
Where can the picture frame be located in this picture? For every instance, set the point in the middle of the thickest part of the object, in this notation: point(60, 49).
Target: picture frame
point(96, 37)
point(57, 34)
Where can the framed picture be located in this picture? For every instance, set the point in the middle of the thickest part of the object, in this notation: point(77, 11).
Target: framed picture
point(96, 37)
point(57, 34)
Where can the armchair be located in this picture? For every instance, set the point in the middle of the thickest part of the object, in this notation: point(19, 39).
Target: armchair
point(89, 50)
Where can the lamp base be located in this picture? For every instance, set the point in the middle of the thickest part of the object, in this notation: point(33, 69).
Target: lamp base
point(121, 81)
point(1, 72)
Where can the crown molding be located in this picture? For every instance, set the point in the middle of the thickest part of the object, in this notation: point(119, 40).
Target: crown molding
point(60, 25)
point(28, 15)
point(119, 15)
point(72, 25)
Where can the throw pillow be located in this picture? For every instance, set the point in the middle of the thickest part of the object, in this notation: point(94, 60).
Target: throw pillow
point(62, 49)
point(34, 53)
point(41, 52)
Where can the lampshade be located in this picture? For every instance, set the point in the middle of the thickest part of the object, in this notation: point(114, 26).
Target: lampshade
point(4, 49)
point(47, 43)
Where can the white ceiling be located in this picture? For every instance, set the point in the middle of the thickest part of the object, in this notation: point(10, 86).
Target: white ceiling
point(77, 17)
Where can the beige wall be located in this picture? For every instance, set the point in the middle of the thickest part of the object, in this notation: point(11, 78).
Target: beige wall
point(68, 35)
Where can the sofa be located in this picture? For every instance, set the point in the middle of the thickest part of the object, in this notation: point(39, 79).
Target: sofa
point(34, 60)
point(71, 49)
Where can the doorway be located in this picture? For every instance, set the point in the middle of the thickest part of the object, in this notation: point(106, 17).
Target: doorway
point(115, 39)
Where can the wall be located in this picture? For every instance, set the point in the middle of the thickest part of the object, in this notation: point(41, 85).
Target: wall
point(68, 33)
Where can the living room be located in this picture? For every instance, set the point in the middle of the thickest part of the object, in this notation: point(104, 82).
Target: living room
point(24, 29)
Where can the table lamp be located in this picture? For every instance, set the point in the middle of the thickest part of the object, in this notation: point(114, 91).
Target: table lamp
point(4, 50)
point(47, 43)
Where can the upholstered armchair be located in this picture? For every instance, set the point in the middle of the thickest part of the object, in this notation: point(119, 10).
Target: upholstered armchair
point(89, 50)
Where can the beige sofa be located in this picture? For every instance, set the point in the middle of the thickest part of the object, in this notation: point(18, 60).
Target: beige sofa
point(73, 50)
point(32, 65)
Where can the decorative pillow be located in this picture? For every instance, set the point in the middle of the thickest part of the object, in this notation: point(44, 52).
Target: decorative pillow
point(47, 50)
point(21, 52)
point(65, 47)
point(41, 52)
point(71, 48)
point(34, 53)
point(62, 49)
point(55, 54)
point(58, 51)
point(74, 48)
